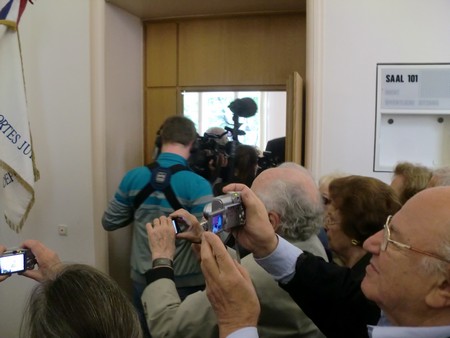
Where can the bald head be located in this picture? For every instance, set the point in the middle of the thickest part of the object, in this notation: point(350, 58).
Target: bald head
point(291, 193)
point(430, 209)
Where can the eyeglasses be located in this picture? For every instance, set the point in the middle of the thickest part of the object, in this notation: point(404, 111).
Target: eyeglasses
point(387, 239)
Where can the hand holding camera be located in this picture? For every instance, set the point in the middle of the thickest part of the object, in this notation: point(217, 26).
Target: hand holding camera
point(16, 261)
point(2, 249)
point(23, 261)
point(161, 238)
point(224, 213)
point(257, 235)
point(227, 284)
point(189, 228)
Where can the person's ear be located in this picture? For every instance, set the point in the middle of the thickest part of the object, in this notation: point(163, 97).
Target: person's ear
point(275, 220)
point(439, 296)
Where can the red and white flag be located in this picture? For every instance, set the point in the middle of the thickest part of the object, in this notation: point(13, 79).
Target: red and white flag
point(18, 170)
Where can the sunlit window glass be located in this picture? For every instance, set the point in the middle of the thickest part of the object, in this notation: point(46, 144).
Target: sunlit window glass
point(210, 109)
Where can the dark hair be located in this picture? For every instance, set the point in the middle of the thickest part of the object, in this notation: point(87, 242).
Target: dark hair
point(415, 179)
point(80, 302)
point(244, 168)
point(364, 204)
point(245, 164)
point(178, 129)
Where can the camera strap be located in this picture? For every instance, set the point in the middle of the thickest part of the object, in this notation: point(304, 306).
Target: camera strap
point(160, 181)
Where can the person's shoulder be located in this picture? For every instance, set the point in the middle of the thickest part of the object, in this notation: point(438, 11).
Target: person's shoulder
point(138, 170)
point(191, 184)
point(137, 173)
point(312, 245)
point(196, 177)
point(275, 143)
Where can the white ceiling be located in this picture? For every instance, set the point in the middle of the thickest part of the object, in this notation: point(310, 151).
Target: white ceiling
point(161, 9)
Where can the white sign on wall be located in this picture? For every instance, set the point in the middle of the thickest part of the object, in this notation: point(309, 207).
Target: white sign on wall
point(412, 115)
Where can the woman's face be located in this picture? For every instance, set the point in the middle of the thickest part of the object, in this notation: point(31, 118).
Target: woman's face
point(338, 241)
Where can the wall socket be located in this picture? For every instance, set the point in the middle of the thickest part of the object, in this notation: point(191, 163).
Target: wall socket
point(62, 230)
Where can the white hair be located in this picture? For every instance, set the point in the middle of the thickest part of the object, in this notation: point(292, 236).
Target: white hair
point(441, 176)
point(432, 265)
point(218, 131)
point(301, 215)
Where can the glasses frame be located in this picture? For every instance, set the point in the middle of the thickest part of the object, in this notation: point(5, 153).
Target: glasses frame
point(387, 239)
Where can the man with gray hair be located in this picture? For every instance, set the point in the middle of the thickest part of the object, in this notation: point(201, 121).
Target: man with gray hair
point(296, 200)
point(408, 276)
point(295, 210)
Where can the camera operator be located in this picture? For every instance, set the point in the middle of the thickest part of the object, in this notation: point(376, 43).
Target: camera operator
point(210, 159)
point(222, 138)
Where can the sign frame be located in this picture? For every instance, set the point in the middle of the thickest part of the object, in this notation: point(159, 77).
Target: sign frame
point(413, 93)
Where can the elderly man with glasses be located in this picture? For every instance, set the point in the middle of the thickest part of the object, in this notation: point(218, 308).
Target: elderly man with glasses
point(408, 276)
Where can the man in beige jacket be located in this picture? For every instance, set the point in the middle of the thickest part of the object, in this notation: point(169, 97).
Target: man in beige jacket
point(295, 211)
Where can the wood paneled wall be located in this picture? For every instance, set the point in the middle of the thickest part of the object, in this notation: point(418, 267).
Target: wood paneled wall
point(253, 52)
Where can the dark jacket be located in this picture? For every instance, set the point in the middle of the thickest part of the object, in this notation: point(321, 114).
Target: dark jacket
point(331, 296)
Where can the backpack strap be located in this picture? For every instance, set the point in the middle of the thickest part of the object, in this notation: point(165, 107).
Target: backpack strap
point(160, 181)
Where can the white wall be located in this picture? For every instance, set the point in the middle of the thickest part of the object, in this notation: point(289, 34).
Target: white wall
point(346, 39)
point(124, 123)
point(55, 47)
point(276, 121)
point(63, 44)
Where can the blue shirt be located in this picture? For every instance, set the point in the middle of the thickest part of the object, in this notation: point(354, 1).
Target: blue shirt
point(191, 190)
point(409, 332)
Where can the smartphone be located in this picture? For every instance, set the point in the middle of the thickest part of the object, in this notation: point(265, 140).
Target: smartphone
point(13, 261)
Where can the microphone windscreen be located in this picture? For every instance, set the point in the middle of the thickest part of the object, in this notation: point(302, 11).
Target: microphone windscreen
point(244, 107)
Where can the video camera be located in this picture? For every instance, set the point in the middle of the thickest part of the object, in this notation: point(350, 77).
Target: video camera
point(266, 161)
point(224, 213)
point(207, 148)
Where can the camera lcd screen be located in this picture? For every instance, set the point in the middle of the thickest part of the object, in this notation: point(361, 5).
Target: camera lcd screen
point(217, 223)
point(12, 263)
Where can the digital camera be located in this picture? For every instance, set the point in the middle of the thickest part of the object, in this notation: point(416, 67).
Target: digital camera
point(224, 213)
point(16, 260)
